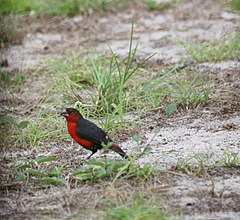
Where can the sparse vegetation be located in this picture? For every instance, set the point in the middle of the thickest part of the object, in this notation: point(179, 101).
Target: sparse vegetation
point(105, 80)
point(95, 170)
point(179, 89)
point(138, 208)
point(9, 32)
point(234, 4)
point(215, 50)
point(44, 126)
point(156, 5)
point(106, 86)
point(57, 7)
point(200, 163)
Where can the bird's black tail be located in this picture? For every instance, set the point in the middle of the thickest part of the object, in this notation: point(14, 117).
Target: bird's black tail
point(119, 150)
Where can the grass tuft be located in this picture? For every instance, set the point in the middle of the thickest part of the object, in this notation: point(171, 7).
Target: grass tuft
point(57, 7)
point(115, 169)
point(234, 4)
point(200, 163)
point(156, 5)
point(9, 32)
point(215, 50)
point(172, 90)
point(137, 208)
point(32, 132)
point(47, 170)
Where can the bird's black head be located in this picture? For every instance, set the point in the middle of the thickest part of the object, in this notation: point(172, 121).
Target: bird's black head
point(71, 114)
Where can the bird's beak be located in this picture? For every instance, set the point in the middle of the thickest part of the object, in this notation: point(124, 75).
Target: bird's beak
point(64, 113)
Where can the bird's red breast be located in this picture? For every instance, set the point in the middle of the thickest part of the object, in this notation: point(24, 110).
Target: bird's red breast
point(72, 128)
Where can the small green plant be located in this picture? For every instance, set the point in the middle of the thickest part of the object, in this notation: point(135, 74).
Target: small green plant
point(33, 131)
point(8, 29)
point(156, 5)
point(12, 82)
point(37, 171)
point(194, 164)
point(214, 192)
point(173, 90)
point(215, 50)
point(152, 4)
point(105, 81)
point(42, 170)
point(230, 158)
point(137, 208)
point(234, 5)
point(12, 130)
point(111, 168)
point(57, 7)
point(170, 109)
point(190, 90)
point(200, 163)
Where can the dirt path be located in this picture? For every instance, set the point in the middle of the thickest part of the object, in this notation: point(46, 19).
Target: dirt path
point(209, 132)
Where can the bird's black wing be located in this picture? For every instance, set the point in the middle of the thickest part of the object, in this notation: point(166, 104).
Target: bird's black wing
point(91, 132)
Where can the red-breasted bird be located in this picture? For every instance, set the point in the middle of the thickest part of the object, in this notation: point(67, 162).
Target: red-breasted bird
point(87, 134)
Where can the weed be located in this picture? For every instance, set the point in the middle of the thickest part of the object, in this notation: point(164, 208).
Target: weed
point(38, 171)
point(152, 4)
point(8, 29)
point(12, 82)
point(218, 191)
point(106, 83)
point(230, 158)
point(34, 131)
point(57, 7)
point(112, 168)
point(95, 170)
point(199, 163)
point(155, 5)
point(177, 89)
point(101, 83)
point(234, 5)
point(194, 165)
point(190, 90)
point(215, 50)
point(137, 208)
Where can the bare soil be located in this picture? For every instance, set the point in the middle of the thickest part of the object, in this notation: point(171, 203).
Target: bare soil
point(206, 130)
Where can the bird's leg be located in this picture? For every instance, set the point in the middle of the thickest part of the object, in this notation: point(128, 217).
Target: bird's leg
point(93, 152)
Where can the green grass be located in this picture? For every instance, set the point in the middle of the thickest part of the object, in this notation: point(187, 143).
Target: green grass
point(34, 123)
point(32, 131)
point(12, 82)
point(41, 170)
point(199, 163)
point(113, 169)
point(99, 82)
point(195, 164)
point(48, 170)
point(8, 29)
point(106, 88)
point(137, 208)
point(234, 5)
point(57, 7)
point(215, 50)
point(94, 83)
point(132, 202)
point(172, 89)
point(155, 5)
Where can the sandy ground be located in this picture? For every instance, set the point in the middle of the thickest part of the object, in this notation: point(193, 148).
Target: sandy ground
point(206, 131)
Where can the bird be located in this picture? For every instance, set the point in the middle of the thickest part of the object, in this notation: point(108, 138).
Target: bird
point(88, 134)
